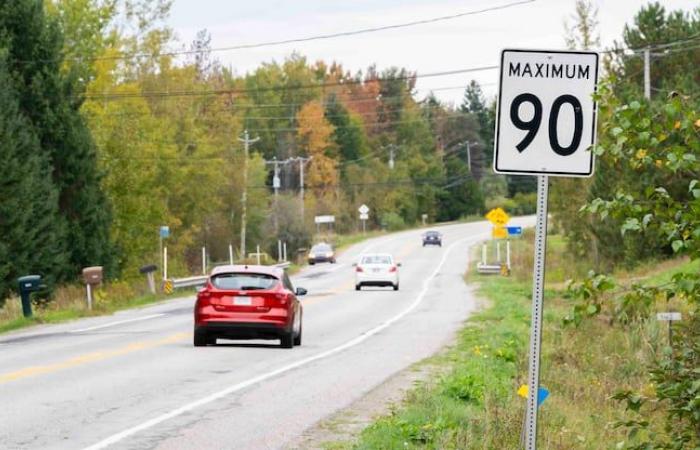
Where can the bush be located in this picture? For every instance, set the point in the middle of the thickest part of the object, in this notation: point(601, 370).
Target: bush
point(392, 221)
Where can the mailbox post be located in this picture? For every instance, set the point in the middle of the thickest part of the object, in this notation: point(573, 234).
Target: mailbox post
point(27, 285)
point(149, 271)
point(92, 276)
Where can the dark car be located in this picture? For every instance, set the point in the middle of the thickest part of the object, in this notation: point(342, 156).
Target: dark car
point(321, 253)
point(432, 238)
point(248, 302)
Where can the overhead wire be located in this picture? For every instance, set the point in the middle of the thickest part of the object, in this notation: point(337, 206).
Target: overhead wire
point(309, 38)
point(231, 91)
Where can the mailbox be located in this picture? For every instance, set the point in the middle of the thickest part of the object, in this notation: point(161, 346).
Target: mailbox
point(92, 275)
point(149, 270)
point(27, 285)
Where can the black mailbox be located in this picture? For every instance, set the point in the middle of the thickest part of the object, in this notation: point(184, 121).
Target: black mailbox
point(148, 268)
point(149, 271)
point(27, 285)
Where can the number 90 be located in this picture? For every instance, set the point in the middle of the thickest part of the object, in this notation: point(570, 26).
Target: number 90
point(533, 125)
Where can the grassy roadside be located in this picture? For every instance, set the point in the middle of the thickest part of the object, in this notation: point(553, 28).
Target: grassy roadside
point(69, 303)
point(474, 405)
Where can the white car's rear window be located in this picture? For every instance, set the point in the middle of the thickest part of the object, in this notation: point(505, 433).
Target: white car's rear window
point(376, 259)
point(244, 281)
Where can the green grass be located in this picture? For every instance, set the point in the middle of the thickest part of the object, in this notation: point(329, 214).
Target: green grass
point(475, 405)
point(69, 304)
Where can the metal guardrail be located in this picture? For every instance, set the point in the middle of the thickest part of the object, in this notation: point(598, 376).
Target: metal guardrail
point(176, 283)
point(491, 268)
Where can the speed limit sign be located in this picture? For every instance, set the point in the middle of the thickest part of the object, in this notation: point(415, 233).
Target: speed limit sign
point(545, 124)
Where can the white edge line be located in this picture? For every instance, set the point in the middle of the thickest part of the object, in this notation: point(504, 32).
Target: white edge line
point(240, 386)
point(111, 324)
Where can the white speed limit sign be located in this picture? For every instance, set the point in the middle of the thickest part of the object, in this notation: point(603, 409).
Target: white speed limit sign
point(546, 113)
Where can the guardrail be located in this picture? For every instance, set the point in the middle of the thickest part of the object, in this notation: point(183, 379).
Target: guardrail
point(171, 284)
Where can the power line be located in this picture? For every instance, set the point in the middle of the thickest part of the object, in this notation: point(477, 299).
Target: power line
point(370, 125)
point(310, 38)
point(639, 50)
point(188, 93)
point(233, 109)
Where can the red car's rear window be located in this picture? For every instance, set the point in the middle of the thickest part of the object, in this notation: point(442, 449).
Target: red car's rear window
point(244, 281)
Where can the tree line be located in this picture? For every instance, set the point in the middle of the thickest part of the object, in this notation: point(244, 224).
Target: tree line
point(110, 136)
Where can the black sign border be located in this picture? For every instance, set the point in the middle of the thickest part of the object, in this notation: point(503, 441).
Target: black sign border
point(498, 115)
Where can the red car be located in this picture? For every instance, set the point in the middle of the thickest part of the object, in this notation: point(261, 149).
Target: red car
point(248, 302)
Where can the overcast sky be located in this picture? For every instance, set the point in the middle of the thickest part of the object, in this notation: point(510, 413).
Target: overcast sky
point(460, 43)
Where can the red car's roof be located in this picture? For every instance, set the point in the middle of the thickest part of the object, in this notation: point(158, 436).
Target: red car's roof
point(240, 268)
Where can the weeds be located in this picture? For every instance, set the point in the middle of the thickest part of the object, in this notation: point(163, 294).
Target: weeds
point(475, 405)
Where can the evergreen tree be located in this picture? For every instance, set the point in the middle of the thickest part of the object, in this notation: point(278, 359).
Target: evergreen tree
point(32, 240)
point(50, 100)
point(348, 134)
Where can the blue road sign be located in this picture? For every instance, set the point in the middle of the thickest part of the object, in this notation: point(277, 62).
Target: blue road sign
point(542, 394)
point(515, 231)
point(164, 231)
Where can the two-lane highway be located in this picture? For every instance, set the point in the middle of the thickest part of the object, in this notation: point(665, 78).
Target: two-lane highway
point(134, 380)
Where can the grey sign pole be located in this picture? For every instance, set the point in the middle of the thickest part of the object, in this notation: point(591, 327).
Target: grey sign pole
point(537, 307)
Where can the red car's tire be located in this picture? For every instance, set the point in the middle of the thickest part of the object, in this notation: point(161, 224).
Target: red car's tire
point(201, 339)
point(297, 338)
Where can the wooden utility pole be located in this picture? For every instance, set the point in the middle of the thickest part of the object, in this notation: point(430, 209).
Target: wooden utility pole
point(244, 199)
point(276, 183)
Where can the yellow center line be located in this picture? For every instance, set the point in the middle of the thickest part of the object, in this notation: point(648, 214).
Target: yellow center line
point(89, 357)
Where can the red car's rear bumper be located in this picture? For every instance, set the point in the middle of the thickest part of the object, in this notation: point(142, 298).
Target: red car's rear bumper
point(243, 325)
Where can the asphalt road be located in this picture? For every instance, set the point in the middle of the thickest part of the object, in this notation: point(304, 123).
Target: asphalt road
point(134, 381)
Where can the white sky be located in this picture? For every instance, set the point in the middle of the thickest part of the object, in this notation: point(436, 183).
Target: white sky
point(454, 44)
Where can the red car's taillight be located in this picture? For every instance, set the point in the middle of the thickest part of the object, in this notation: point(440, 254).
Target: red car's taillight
point(282, 298)
point(203, 297)
point(393, 269)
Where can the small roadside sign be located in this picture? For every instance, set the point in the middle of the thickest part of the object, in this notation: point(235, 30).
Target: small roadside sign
point(499, 232)
point(497, 216)
point(669, 316)
point(546, 115)
point(515, 231)
point(364, 216)
point(164, 231)
point(364, 209)
point(324, 219)
point(542, 393)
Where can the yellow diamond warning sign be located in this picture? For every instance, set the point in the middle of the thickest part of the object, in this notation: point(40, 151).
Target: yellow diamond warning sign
point(498, 217)
point(168, 286)
point(499, 232)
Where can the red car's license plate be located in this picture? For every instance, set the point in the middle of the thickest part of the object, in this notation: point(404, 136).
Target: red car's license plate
point(242, 301)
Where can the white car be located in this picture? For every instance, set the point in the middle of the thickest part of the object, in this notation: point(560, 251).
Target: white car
point(376, 269)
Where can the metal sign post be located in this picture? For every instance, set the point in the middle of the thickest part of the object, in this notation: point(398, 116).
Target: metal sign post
point(545, 126)
point(364, 215)
point(533, 378)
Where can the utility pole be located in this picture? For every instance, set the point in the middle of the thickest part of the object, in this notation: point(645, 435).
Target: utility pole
point(392, 148)
point(275, 186)
point(302, 163)
point(469, 157)
point(469, 154)
point(244, 199)
point(647, 75)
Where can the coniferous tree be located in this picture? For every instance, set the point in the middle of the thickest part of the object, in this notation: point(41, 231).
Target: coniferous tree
point(32, 239)
point(50, 100)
